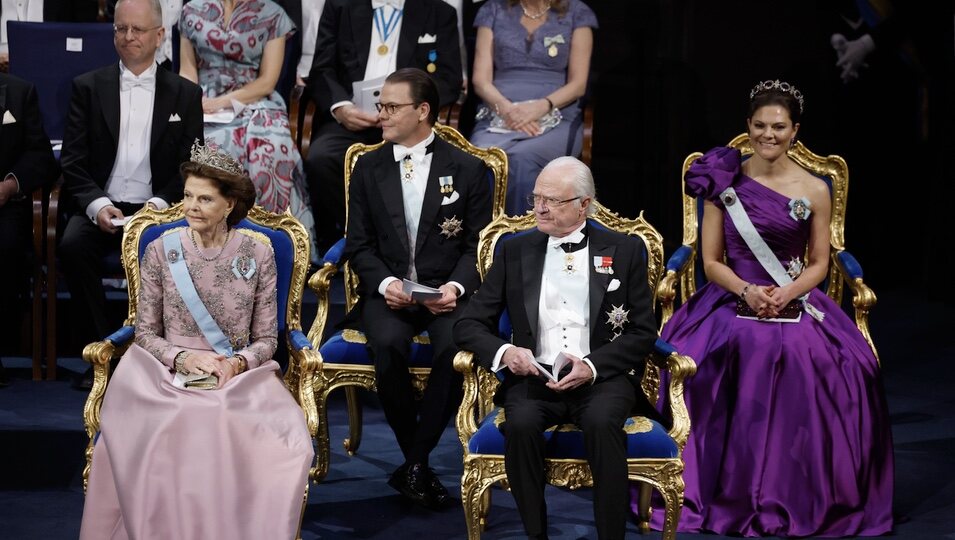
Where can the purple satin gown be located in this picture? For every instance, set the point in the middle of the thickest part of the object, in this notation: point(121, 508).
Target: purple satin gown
point(790, 430)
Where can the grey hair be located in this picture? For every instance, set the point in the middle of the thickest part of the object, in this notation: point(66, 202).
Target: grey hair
point(580, 176)
point(154, 5)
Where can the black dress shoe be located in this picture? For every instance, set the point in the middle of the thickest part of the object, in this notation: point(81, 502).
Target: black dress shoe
point(438, 493)
point(412, 481)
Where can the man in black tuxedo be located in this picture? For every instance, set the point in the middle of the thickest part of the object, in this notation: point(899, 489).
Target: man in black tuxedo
point(416, 207)
point(351, 47)
point(129, 128)
point(26, 163)
point(578, 291)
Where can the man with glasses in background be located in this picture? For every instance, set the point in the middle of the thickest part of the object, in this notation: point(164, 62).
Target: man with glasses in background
point(415, 209)
point(577, 295)
point(129, 128)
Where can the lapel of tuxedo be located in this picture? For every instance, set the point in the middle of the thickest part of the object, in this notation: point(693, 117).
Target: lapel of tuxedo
point(412, 26)
point(164, 100)
point(362, 24)
point(389, 186)
point(599, 247)
point(108, 90)
point(532, 268)
point(441, 165)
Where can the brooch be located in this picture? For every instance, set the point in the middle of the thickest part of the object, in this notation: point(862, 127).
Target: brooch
point(243, 267)
point(172, 255)
point(447, 185)
point(728, 198)
point(451, 227)
point(795, 267)
point(569, 268)
point(603, 265)
point(550, 43)
point(799, 209)
point(239, 341)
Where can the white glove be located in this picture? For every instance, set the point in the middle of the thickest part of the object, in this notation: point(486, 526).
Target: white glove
point(851, 55)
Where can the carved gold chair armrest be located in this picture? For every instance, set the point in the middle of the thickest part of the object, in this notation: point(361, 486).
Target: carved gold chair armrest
point(863, 297)
point(679, 367)
point(466, 420)
point(677, 271)
point(321, 282)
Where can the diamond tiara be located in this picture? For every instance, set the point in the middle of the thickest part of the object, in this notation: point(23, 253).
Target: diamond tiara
point(784, 87)
point(210, 156)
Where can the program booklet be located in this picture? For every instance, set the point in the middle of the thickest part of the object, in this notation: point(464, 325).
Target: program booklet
point(553, 371)
point(419, 292)
point(366, 93)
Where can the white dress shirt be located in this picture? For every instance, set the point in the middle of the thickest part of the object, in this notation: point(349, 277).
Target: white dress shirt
point(131, 178)
point(18, 10)
point(381, 65)
point(563, 323)
point(311, 14)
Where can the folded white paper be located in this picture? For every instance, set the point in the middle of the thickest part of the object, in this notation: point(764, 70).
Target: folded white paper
point(419, 292)
point(366, 93)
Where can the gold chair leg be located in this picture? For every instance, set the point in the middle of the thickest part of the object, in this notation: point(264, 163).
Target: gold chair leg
point(322, 443)
point(473, 498)
point(672, 491)
point(485, 507)
point(643, 517)
point(354, 421)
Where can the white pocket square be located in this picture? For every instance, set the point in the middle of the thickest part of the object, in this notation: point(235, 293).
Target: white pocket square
point(174, 117)
point(427, 38)
point(614, 285)
point(8, 118)
point(448, 200)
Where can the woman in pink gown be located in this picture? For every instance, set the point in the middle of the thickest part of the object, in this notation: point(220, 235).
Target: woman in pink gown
point(186, 463)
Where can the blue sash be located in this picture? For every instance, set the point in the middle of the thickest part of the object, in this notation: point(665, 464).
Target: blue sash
point(172, 245)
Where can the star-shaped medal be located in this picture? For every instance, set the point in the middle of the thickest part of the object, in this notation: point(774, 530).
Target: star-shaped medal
point(617, 317)
point(451, 227)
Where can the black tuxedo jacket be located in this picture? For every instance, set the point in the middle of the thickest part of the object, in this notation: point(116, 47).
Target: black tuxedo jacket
point(344, 34)
point(25, 149)
point(91, 136)
point(376, 241)
point(514, 283)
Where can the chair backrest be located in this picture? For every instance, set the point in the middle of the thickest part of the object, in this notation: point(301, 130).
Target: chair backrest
point(287, 236)
point(493, 157)
point(51, 54)
point(831, 169)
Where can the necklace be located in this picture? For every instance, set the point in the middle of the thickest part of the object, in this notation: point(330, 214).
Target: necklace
point(538, 15)
point(192, 236)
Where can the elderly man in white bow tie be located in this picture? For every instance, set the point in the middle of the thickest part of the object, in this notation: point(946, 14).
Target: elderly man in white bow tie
point(129, 128)
point(415, 209)
point(580, 308)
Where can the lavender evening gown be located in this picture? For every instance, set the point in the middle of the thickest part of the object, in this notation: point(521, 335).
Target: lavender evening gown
point(525, 70)
point(790, 430)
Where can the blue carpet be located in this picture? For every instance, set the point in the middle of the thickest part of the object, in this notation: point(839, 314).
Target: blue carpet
point(42, 442)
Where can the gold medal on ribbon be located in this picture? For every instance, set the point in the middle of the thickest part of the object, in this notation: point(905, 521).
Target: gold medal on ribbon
point(383, 49)
point(552, 51)
point(431, 67)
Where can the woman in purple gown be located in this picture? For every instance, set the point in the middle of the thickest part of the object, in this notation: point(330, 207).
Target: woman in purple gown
point(531, 57)
point(790, 431)
point(177, 462)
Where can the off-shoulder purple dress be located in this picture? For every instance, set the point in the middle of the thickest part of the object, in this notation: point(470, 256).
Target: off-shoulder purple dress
point(790, 430)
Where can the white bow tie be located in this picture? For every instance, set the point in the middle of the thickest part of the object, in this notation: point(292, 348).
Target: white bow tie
point(397, 4)
point(573, 238)
point(417, 153)
point(129, 81)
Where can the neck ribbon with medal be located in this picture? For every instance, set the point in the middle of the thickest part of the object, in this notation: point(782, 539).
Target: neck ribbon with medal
point(386, 28)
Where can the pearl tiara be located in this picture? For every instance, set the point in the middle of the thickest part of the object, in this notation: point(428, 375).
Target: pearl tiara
point(784, 87)
point(210, 156)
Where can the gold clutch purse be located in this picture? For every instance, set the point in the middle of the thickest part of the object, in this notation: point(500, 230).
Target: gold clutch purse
point(202, 382)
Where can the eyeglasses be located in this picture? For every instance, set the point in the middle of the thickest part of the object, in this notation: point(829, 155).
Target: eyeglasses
point(392, 108)
point(123, 30)
point(549, 202)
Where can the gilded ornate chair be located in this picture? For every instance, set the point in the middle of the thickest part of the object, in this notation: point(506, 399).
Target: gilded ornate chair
point(288, 238)
point(654, 454)
point(345, 362)
point(684, 267)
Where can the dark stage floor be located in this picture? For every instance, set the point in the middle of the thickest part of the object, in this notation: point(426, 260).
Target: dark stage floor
point(42, 442)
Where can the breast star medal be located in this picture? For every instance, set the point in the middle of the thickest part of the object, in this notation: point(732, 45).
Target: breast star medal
point(617, 317)
point(451, 227)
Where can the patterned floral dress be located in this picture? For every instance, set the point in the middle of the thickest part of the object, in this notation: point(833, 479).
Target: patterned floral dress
point(228, 57)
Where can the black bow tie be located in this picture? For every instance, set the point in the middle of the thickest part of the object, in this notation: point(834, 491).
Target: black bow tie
point(570, 247)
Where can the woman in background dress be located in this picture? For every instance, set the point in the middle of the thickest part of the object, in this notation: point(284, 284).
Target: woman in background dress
point(790, 431)
point(187, 463)
point(531, 57)
point(234, 50)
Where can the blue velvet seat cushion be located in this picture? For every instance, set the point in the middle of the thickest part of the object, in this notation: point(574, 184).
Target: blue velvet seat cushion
point(336, 350)
point(645, 439)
